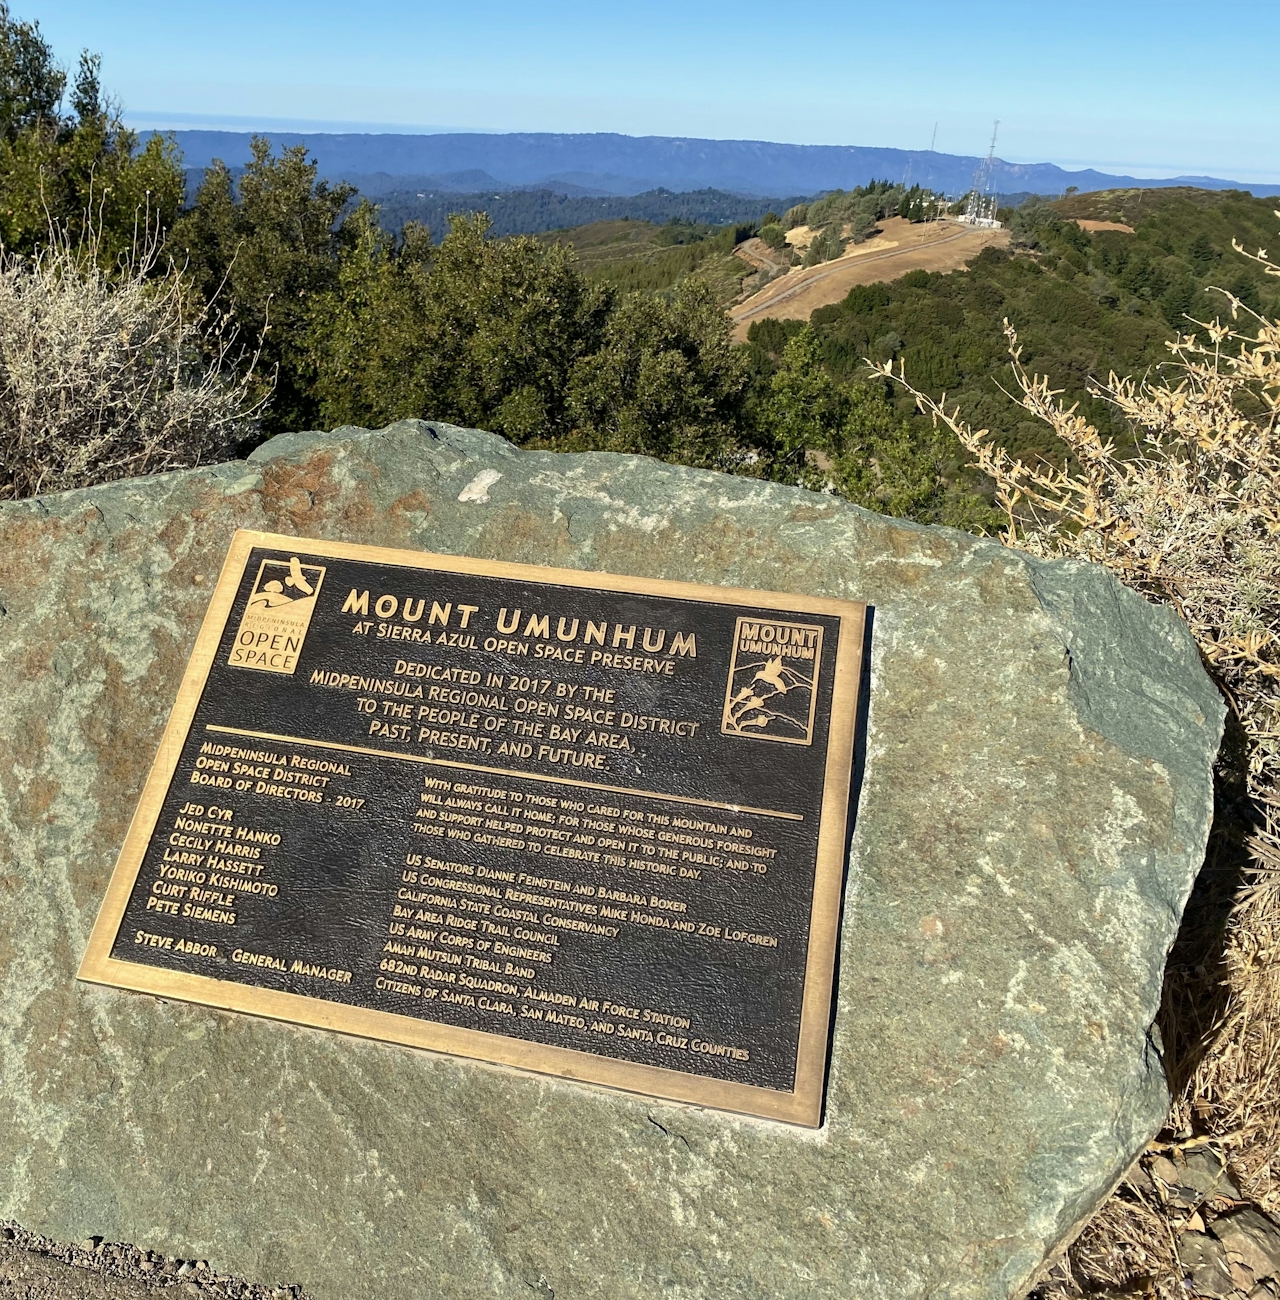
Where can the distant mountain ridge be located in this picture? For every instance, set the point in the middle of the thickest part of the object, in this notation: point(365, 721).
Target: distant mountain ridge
point(604, 164)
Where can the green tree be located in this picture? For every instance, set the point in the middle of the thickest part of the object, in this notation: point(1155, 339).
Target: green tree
point(31, 83)
point(1202, 253)
point(507, 335)
point(667, 381)
point(503, 324)
point(773, 235)
point(847, 438)
point(827, 244)
point(806, 407)
point(476, 331)
point(266, 250)
point(882, 462)
point(361, 332)
point(81, 173)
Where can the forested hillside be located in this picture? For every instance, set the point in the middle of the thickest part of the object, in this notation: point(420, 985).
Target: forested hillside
point(640, 256)
point(272, 300)
point(645, 256)
point(1084, 303)
point(531, 212)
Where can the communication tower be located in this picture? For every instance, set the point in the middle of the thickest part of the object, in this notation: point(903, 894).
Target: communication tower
point(934, 200)
point(983, 202)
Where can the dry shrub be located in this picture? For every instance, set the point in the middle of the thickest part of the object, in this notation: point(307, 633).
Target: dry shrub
point(109, 374)
point(1192, 520)
point(1127, 1248)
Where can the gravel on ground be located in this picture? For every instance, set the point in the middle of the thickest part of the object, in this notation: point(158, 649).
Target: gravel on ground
point(36, 1268)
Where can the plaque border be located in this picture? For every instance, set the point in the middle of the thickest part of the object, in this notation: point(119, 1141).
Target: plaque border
point(802, 1106)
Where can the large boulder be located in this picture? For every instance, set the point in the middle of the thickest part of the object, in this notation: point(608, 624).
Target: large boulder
point(1031, 818)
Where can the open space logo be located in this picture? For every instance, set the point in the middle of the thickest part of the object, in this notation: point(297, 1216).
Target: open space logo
point(277, 617)
point(773, 681)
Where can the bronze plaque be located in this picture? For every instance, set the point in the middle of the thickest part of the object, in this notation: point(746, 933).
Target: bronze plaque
point(577, 823)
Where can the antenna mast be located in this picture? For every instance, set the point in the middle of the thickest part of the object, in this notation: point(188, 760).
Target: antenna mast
point(982, 205)
point(934, 203)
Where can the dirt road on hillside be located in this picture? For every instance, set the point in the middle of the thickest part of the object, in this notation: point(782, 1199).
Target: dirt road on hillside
point(900, 247)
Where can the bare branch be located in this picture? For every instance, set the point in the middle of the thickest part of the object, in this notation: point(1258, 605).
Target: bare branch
point(105, 375)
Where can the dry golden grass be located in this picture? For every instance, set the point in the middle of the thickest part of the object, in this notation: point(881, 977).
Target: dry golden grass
point(1126, 1246)
point(1193, 521)
point(900, 247)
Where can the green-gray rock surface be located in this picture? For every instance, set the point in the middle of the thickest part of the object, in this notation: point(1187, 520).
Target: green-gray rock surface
point(1033, 812)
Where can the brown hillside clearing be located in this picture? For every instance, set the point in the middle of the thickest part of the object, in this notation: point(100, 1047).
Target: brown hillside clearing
point(1092, 226)
point(800, 237)
point(900, 247)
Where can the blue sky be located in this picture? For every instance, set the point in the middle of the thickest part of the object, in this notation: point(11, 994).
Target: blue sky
point(1143, 87)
